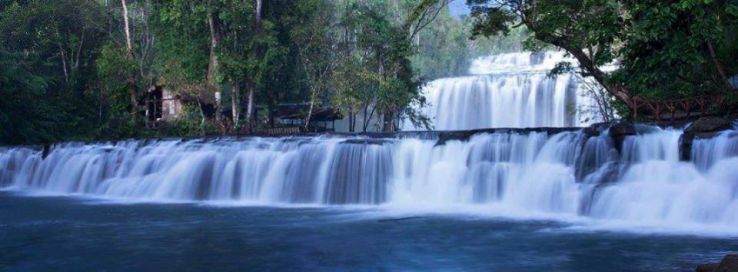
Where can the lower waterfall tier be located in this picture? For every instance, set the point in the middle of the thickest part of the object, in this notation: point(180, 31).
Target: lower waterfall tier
point(564, 172)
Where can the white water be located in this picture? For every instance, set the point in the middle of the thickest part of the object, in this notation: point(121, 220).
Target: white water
point(564, 175)
point(510, 90)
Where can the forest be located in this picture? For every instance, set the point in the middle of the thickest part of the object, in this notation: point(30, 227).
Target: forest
point(87, 69)
point(84, 69)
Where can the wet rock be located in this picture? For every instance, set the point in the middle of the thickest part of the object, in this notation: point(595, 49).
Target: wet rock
point(706, 267)
point(619, 131)
point(465, 135)
point(46, 151)
point(366, 141)
point(622, 128)
point(596, 129)
point(705, 127)
point(729, 263)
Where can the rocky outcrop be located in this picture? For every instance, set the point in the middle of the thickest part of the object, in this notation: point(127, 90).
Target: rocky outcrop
point(705, 127)
point(706, 267)
point(729, 263)
point(619, 131)
point(465, 135)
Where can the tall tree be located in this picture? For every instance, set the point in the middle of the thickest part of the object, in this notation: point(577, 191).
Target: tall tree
point(316, 48)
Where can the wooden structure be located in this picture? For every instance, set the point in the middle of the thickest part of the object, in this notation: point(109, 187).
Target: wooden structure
point(322, 119)
point(160, 103)
point(280, 131)
point(675, 109)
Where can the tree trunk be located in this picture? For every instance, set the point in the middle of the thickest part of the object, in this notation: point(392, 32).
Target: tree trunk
point(213, 69)
point(64, 64)
point(718, 66)
point(147, 114)
point(351, 119)
point(388, 122)
point(202, 114)
point(235, 102)
point(131, 87)
point(250, 110)
point(250, 115)
point(368, 118)
point(258, 13)
point(131, 82)
point(313, 97)
point(615, 90)
point(126, 28)
point(364, 123)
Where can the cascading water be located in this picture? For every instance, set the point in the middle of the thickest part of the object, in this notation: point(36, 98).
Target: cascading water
point(562, 172)
point(510, 90)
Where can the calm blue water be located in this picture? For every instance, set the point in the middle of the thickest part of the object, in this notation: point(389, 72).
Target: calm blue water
point(67, 234)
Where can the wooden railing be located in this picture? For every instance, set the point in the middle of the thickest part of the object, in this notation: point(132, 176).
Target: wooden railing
point(280, 131)
point(675, 108)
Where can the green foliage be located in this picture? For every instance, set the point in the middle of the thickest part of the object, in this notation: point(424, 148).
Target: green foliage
point(66, 71)
point(666, 52)
point(664, 49)
point(47, 71)
point(382, 48)
point(183, 44)
point(187, 125)
point(113, 67)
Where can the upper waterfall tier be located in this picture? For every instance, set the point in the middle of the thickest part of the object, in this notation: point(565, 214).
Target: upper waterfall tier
point(566, 173)
point(510, 90)
point(518, 62)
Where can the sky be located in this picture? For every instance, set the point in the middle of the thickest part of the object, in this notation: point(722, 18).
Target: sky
point(458, 8)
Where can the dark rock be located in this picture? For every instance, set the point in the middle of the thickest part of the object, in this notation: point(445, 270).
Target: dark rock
point(729, 263)
point(596, 129)
point(708, 125)
point(465, 135)
point(366, 141)
point(622, 128)
point(705, 127)
point(706, 267)
point(619, 131)
point(46, 151)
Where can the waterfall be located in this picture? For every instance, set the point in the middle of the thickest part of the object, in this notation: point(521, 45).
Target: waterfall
point(560, 172)
point(510, 90)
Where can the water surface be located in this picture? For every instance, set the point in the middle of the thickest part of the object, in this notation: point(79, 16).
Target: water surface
point(70, 234)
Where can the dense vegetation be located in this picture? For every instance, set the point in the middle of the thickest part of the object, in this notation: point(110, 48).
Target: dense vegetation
point(83, 69)
point(663, 49)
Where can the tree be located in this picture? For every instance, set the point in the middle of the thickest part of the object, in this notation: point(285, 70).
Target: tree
point(184, 48)
point(588, 30)
point(131, 84)
point(678, 48)
point(385, 48)
point(316, 48)
point(47, 50)
point(663, 48)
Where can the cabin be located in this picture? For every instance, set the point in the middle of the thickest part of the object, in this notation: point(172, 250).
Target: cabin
point(160, 104)
point(171, 104)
